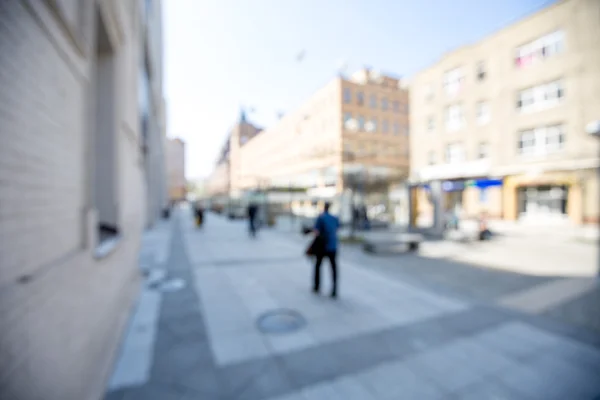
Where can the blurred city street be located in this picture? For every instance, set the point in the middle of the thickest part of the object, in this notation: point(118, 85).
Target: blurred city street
point(406, 326)
point(173, 173)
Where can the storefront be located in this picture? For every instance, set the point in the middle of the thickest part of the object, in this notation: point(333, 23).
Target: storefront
point(545, 202)
point(548, 197)
point(469, 197)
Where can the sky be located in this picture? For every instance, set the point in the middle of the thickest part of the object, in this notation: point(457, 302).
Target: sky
point(222, 55)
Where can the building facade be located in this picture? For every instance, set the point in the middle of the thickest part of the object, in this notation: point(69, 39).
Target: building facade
point(225, 178)
point(499, 126)
point(350, 127)
point(176, 169)
point(152, 106)
point(74, 188)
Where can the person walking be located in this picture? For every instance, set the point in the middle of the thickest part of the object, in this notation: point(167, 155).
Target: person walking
point(252, 212)
point(326, 228)
point(199, 211)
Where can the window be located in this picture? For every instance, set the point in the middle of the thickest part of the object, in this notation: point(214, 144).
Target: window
point(385, 126)
point(430, 124)
point(384, 104)
point(396, 106)
point(431, 158)
point(480, 71)
point(482, 112)
point(541, 141)
point(542, 48)
point(454, 118)
point(373, 101)
point(372, 125)
point(483, 151)
point(396, 128)
point(428, 92)
point(455, 153)
point(104, 172)
point(540, 97)
point(347, 96)
point(360, 98)
point(347, 117)
point(361, 123)
point(453, 81)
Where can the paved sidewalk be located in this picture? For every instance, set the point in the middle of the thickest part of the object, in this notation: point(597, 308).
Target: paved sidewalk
point(382, 339)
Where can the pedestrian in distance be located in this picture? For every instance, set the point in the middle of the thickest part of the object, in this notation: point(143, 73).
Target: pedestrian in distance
point(199, 213)
point(325, 246)
point(252, 214)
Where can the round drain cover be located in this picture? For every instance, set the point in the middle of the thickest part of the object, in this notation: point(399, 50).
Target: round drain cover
point(280, 321)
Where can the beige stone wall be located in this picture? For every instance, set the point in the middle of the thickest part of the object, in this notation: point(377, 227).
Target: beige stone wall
point(575, 66)
point(62, 310)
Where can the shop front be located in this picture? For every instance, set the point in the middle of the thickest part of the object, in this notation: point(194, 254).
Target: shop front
point(467, 197)
point(551, 197)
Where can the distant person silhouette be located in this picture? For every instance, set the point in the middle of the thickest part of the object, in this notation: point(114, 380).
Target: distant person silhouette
point(252, 213)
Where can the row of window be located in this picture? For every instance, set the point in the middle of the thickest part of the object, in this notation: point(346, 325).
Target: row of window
point(532, 99)
point(374, 150)
point(540, 49)
point(455, 153)
point(540, 97)
point(372, 125)
point(374, 103)
point(528, 54)
point(539, 141)
point(455, 119)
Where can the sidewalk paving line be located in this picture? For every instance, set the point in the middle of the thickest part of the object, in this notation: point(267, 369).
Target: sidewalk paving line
point(136, 354)
point(545, 296)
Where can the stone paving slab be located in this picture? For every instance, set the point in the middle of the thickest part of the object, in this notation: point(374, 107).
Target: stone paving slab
point(382, 339)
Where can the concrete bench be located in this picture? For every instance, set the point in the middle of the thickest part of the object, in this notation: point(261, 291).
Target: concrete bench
point(398, 242)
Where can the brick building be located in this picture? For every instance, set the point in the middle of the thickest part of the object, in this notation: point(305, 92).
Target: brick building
point(352, 129)
point(81, 117)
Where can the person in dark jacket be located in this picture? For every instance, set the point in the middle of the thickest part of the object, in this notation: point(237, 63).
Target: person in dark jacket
point(326, 227)
point(252, 213)
point(199, 211)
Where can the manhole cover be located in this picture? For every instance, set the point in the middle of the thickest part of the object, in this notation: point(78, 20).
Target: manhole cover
point(280, 321)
